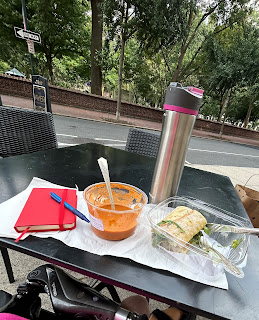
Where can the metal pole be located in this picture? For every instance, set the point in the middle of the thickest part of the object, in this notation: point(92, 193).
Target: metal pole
point(25, 24)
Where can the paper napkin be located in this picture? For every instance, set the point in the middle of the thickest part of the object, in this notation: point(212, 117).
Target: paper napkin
point(138, 247)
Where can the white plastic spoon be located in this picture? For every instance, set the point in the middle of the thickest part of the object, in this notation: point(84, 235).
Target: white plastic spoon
point(103, 164)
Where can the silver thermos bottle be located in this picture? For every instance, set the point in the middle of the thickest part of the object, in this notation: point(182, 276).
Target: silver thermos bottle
point(181, 108)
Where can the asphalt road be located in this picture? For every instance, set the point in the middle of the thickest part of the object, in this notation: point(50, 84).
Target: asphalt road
point(72, 131)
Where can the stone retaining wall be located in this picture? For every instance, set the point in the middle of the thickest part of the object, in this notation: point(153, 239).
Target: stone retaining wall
point(10, 85)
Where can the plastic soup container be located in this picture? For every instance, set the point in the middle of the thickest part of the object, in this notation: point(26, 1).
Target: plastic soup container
point(121, 222)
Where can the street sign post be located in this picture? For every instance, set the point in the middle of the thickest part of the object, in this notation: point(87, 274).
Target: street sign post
point(27, 35)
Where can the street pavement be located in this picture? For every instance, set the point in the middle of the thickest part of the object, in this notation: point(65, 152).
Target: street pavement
point(23, 264)
point(65, 110)
point(238, 175)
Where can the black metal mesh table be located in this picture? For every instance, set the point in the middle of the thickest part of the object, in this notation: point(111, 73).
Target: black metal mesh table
point(78, 165)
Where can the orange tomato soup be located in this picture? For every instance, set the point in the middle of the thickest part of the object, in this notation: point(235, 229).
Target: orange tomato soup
point(116, 225)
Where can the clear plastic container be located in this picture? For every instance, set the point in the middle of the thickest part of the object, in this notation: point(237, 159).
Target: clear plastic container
point(197, 259)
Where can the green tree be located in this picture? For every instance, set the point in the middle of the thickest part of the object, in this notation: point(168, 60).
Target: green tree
point(137, 73)
point(61, 24)
point(72, 72)
point(203, 19)
point(149, 20)
point(244, 107)
point(4, 66)
point(13, 51)
point(230, 61)
point(147, 77)
point(253, 104)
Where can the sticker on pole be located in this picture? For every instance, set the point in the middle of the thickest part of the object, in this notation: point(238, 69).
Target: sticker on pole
point(30, 47)
point(39, 98)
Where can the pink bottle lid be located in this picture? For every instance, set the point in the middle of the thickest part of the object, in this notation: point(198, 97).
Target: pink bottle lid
point(183, 99)
point(196, 90)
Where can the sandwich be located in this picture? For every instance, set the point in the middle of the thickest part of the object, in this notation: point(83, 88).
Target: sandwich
point(182, 225)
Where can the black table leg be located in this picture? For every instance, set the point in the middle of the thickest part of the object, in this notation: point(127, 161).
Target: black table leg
point(7, 263)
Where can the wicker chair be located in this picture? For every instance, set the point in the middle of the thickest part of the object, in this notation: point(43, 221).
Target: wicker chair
point(24, 131)
point(142, 142)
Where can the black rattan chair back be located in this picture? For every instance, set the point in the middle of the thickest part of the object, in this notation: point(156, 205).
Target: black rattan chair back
point(141, 142)
point(24, 131)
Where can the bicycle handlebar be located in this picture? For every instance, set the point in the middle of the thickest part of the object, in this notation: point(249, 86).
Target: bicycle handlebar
point(70, 298)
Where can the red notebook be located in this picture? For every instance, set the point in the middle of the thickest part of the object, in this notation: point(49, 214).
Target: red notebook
point(42, 213)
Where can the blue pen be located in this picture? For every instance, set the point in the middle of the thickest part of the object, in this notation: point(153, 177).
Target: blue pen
point(69, 207)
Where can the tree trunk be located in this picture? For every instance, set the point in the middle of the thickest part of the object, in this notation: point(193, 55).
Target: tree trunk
point(167, 63)
point(222, 105)
point(227, 102)
point(183, 49)
point(179, 64)
point(251, 103)
point(123, 41)
point(96, 45)
point(50, 68)
point(221, 108)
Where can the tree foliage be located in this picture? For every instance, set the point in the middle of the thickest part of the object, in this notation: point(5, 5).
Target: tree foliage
point(13, 51)
point(156, 20)
point(231, 62)
point(221, 14)
point(61, 24)
point(142, 47)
